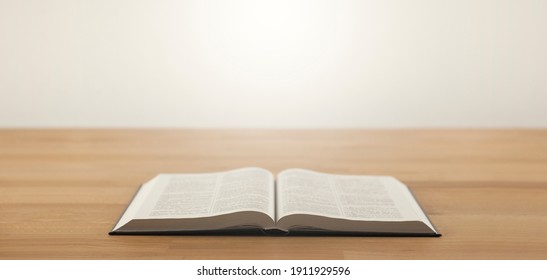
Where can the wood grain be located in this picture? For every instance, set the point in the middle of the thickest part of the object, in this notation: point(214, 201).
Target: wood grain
point(61, 191)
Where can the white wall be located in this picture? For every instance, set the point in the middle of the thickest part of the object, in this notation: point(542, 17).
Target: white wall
point(421, 63)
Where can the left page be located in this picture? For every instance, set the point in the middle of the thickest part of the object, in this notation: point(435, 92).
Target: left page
point(203, 201)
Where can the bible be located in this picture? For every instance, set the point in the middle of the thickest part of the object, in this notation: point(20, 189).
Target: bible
point(297, 202)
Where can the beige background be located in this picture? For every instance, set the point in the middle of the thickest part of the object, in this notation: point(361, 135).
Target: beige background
point(273, 63)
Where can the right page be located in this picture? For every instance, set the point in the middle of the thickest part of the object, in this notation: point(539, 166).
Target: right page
point(308, 200)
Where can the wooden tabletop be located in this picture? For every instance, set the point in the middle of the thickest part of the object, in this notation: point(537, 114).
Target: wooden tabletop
point(61, 191)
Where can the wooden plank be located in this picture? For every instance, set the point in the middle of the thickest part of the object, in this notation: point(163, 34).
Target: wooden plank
point(62, 190)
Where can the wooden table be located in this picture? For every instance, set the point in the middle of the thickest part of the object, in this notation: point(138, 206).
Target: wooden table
point(61, 191)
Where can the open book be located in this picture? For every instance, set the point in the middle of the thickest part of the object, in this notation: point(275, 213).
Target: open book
point(298, 202)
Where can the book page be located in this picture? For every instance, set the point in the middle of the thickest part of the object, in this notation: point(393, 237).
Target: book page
point(209, 194)
point(372, 198)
